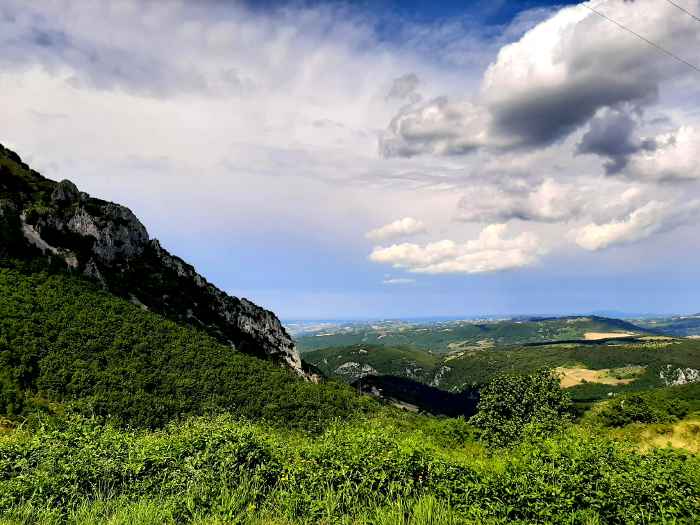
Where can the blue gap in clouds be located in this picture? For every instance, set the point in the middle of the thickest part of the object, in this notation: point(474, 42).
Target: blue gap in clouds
point(489, 12)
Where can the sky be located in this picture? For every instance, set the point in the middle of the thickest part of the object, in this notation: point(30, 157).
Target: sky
point(381, 159)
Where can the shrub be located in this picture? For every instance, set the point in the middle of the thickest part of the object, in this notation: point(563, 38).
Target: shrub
point(512, 405)
point(643, 408)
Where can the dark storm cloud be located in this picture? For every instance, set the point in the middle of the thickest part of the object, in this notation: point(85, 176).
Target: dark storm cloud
point(559, 75)
point(547, 116)
point(613, 135)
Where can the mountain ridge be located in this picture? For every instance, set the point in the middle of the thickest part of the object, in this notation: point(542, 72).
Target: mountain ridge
point(106, 242)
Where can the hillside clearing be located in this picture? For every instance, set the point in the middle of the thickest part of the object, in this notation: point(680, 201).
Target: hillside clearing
point(595, 336)
point(607, 376)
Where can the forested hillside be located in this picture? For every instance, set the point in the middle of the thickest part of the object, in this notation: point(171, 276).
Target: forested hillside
point(64, 340)
point(66, 229)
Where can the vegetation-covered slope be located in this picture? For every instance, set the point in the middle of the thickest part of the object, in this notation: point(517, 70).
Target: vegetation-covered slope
point(644, 363)
point(104, 241)
point(62, 339)
point(679, 326)
point(449, 336)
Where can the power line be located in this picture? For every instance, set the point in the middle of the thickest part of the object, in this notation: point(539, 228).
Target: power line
point(653, 44)
point(692, 15)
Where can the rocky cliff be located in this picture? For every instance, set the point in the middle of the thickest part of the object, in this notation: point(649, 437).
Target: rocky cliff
point(66, 228)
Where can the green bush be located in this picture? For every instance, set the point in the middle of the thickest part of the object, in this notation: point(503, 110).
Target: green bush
point(513, 405)
point(649, 407)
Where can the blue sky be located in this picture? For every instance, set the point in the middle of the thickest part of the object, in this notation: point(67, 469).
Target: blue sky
point(379, 159)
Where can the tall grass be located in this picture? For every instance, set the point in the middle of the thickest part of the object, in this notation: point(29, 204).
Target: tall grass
point(383, 471)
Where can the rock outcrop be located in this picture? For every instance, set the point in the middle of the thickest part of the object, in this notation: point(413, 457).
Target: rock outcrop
point(674, 376)
point(107, 243)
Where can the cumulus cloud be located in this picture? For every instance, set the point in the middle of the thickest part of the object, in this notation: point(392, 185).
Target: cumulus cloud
point(438, 126)
point(399, 228)
point(490, 252)
point(549, 201)
point(404, 88)
point(652, 218)
point(674, 156)
point(553, 80)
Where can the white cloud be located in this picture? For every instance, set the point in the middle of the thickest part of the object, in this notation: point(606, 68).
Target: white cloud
point(549, 201)
point(654, 217)
point(675, 156)
point(548, 84)
point(271, 117)
point(398, 280)
point(490, 252)
point(439, 127)
point(399, 228)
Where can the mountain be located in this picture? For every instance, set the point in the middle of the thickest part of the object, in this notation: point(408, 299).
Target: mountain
point(55, 224)
point(678, 326)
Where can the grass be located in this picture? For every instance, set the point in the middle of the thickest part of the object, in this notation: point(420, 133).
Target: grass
point(391, 468)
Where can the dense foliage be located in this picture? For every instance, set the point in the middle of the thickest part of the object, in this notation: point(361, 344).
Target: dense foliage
point(227, 471)
point(514, 405)
point(63, 340)
point(654, 406)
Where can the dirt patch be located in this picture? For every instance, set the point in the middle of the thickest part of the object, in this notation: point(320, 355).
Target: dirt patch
point(570, 377)
point(594, 336)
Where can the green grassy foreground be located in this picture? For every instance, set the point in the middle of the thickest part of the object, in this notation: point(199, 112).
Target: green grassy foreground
point(388, 469)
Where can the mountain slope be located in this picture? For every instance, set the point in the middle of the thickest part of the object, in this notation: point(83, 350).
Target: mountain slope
point(64, 340)
point(42, 219)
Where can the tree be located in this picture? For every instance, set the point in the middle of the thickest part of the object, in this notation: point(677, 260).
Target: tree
point(513, 405)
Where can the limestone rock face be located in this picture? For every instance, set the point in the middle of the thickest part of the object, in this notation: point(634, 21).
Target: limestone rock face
point(118, 234)
point(107, 243)
point(679, 376)
point(65, 192)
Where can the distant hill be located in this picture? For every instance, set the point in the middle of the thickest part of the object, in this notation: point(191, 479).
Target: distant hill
point(451, 336)
point(53, 224)
point(591, 369)
point(679, 326)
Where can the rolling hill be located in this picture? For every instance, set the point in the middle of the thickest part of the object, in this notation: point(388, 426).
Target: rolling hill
point(678, 326)
point(450, 336)
point(590, 369)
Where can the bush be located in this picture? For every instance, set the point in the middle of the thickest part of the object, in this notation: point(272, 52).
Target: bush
point(223, 468)
point(513, 405)
point(643, 408)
